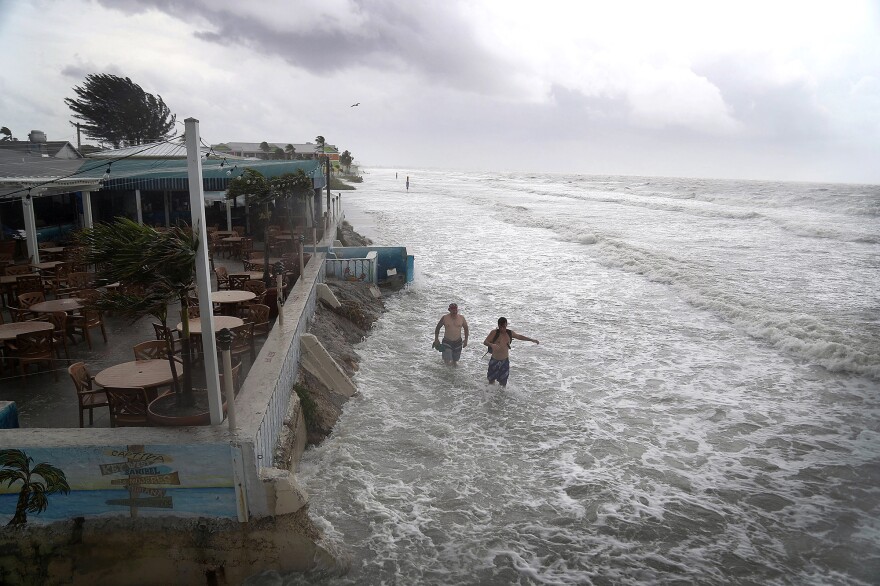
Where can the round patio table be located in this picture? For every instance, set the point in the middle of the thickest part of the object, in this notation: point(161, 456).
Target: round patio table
point(148, 374)
point(230, 299)
point(67, 304)
point(220, 322)
point(42, 266)
point(256, 275)
point(10, 331)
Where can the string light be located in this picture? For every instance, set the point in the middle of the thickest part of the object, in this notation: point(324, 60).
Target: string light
point(107, 172)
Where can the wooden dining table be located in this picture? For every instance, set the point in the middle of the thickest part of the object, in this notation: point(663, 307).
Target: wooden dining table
point(48, 265)
point(220, 322)
point(230, 299)
point(257, 275)
point(9, 332)
point(148, 374)
point(67, 304)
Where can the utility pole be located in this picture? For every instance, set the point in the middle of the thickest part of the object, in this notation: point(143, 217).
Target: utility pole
point(78, 142)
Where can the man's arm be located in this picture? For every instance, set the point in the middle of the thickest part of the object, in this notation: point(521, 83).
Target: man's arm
point(465, 326)
point(524, 338)
point(437, 329)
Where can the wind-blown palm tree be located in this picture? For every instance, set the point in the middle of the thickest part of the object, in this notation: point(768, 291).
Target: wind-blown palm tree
point(262, 191)
point(37, 483)
point(320, 143)
point(290, 150)
point(154, 269)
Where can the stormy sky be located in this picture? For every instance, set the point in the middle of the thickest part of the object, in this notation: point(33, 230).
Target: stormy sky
point(733, 89)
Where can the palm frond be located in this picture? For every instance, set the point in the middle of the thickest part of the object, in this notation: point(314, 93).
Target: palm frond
point(15, 459)
point(55, 479)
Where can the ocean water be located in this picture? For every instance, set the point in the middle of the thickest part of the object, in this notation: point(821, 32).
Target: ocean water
point(703, 406)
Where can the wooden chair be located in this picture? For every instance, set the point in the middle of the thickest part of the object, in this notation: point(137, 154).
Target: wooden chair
point(89, 397)
point(243, 341)
point(222, 277)
point(258, 314)
point(58, 319)
point(258, 288)
point(33, 347)
point(55, 280)
point(128, 406)
point(26, 300)
point(236, 378)
point(87, 320)
point(28, 283)
point(151, 350)
point(80, 280)
point(245, 247)
point(236, 282)
point(239, 230)
point(163, 333)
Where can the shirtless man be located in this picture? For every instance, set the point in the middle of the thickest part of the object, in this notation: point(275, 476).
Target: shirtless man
point(498, 342)
point(453, 323)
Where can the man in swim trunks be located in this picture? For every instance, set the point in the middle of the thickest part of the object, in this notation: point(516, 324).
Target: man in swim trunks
point(498, 342)
point(453, 324)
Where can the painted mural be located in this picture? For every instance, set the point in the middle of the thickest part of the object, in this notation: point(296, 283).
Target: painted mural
point(128, 480)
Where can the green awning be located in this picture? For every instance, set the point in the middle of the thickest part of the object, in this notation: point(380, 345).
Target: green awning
point(172, 175)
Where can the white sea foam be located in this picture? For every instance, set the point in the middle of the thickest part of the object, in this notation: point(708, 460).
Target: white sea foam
point(701, 409)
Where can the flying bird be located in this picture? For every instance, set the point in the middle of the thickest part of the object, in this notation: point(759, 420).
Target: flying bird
point(358, 104)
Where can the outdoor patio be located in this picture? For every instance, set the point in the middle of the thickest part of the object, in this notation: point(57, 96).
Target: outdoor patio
point(43, 402)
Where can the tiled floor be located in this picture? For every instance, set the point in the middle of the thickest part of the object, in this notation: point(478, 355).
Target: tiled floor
point(44, 402)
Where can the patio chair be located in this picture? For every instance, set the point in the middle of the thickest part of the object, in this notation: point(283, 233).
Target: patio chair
point(27, 283)
point(33, 347)
point(243, 341)
point(236, 377)
point(26, 300)
point(80, 280)
point(245, 247)
point(258, 314)
point(151, 350)
point(258, 288)
point(58, 319)
point(128, 406)
point(236, 282)
point(222, 278)
point(89, 397)
point(163, 332)
point(87, 320)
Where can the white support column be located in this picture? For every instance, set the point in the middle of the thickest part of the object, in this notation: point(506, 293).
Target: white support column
point(203, 276)
point(30, 227)
point(88, 222)
point(137, 203)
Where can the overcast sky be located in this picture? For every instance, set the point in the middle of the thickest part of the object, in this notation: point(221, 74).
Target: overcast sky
point(740, 89)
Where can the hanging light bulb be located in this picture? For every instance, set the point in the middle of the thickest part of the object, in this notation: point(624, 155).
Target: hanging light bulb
point(107, 173)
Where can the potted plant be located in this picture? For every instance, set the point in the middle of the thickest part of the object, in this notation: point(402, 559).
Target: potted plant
point(154, 269)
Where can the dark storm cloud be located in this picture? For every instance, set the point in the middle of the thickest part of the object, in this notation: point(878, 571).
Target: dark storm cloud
point(430, 39)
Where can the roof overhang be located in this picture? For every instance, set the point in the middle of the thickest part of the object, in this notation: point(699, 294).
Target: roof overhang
point(17, 187)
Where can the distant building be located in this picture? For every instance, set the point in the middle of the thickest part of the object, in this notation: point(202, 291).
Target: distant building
point(37, 145)
point(252, 150)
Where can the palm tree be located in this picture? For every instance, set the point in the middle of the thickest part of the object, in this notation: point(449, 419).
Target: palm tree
point(345, 158)
point(264, 146)
point(262, 191)
point(7, 134)
point(37, 483)
point(319, 146)
point(154, 270)
point(290, 150)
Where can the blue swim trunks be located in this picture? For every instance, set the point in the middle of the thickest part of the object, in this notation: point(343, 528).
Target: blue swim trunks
point(452, 353)
point(499, 370)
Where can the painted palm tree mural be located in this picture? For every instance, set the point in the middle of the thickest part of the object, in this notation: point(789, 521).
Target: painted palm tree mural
point(37, 483)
